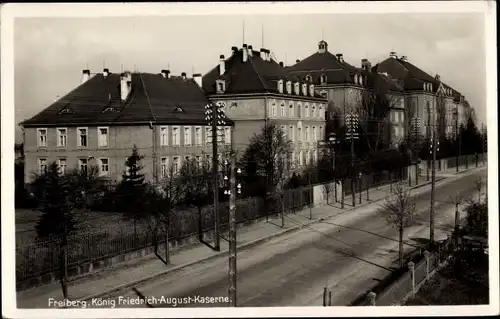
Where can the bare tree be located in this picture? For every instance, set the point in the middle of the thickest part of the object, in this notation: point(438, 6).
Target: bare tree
point(399, 210)
point(479, 186)
point(194, 183)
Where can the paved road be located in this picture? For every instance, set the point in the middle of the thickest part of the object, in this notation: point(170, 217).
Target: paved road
point(348, 253)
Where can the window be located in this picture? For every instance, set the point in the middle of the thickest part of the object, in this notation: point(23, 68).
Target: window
point(42, 137)
point(282, 109)
point(289, 87)
point(291, 133)
point(164, 167)
point(199, 161)
point(197, 135)
point(299, 134)
point(42, 165)
point(82, 165)
point(306, 134)
point(304, 89)
point(323, 78)
point(313, 111)
point(227, 135)
point(280, 86)
point(311, 89)
point(176, 164)
point(300, 159)
point(297, 88)
point(176, 136)
point(164, 135)
point(308, 157)
point(290, 110)
point(273, 110)
point(283, 130)
point(187, 135)
point(321, 115)
point(306, 110)
point(62, 136)
point(62, 164)
point(208, 135)
point(82, 136)
point(292, 159)
point(324, 94)
point(104, 167)
point(314, 157)
point(103, 136)
point(315, 135)
point(299, 111)
point(321, 133)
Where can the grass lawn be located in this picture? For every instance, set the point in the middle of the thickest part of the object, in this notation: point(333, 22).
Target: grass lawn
point(463, 282)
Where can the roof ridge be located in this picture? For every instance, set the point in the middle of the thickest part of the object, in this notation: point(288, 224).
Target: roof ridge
point(147, 97)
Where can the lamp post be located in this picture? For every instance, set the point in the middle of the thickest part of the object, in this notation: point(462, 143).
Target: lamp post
point(416, 135)
point(352, 123)
point(360, 186)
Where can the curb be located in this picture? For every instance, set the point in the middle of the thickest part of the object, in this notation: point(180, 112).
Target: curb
point(225, 252)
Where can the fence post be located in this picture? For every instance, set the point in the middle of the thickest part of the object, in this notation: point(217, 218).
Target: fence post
point(411, 268)
point(427, 263)
point(372, 297)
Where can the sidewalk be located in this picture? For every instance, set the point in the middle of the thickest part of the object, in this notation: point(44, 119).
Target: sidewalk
point(131, 273)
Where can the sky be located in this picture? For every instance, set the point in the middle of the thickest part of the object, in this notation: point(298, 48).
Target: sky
point(50, 53)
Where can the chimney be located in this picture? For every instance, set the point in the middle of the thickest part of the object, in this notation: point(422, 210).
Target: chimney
point(105, 72)
point(165, 74)
point(438, 77)
point(222, 65)
point(297, 61)
point(281, 64)
point(125, 85)
point(263, 54)
point(183, 75)
point(250, 51)
point(393, 55)
point(366, 65)
point(245, 53)
point(340, 57)
point(86, 76)
point(234, 49)
point(404, 58)
point(197, 78)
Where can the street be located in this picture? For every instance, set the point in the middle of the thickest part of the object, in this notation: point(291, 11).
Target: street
point(348, 254)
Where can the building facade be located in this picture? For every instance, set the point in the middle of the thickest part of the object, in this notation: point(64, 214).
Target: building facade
point(100, 121)
point(254, 89)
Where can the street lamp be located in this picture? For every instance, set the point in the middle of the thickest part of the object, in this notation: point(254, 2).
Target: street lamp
point(334, 142)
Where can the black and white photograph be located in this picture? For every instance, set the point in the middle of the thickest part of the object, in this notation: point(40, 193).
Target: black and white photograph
point(249, 159)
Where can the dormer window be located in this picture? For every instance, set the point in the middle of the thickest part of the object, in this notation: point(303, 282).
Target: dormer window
point(280, 86)
point(304, 89)
point(308, 78)
point(311, 89)
point(356, 79)
point(66, 111)
point(110, 109)
point(289, 87)
point(360, 80)
point(323, 79)
point(297, 88)
point(425, 87)
point(324, 94)
point(179, 109)
point(221, 86)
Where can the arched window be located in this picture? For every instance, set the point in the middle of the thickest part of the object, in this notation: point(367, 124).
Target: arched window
point(290, 110)
point(306, 110)
point(280, 86)
point(356, 79)
point(299, 110)
point(289, 87)
point(323, 78)
point(282, 109)
point(313, 111)
point(273, 110)
point(311, 89)
point(297, 88)
point(308, 78)
point(320, 112)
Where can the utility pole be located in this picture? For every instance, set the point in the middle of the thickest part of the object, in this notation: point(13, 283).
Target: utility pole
point(352, 125)
point(215, 116)
point(455, 114)
point(232, 224)
point(433, 186)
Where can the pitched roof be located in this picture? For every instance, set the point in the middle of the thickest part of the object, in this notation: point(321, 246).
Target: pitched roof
point(152, 98)
point(253, 76)
point(412, 76)
point(324, 63)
